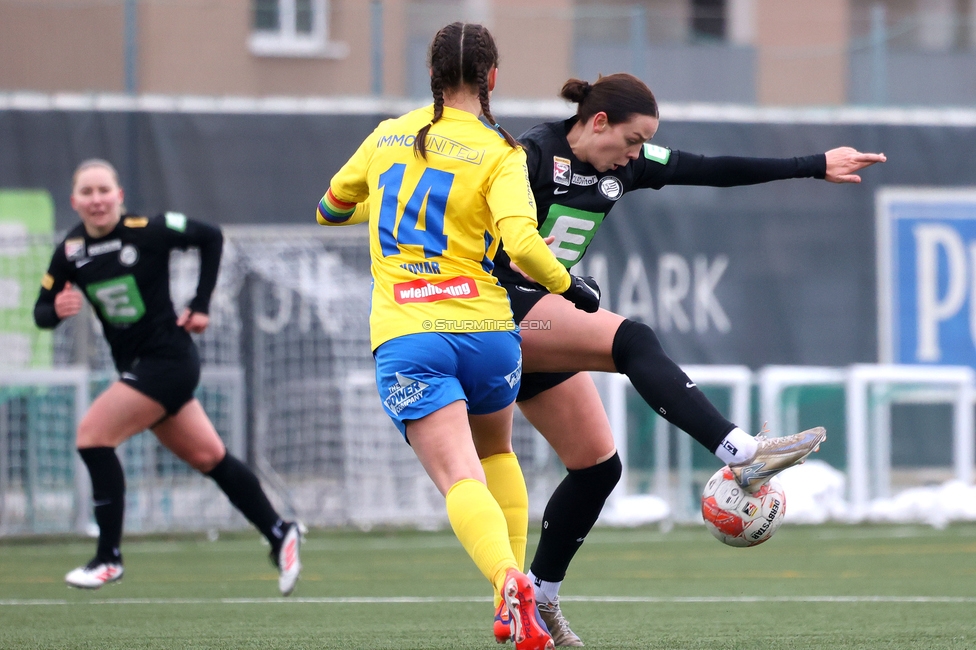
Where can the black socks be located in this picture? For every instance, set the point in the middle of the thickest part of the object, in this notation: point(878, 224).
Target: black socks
point(571, 512)
point(108, 495)
point(244, 490)
point(638, 354)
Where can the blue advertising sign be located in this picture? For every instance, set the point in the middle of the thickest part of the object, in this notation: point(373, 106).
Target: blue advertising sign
point(926, 242)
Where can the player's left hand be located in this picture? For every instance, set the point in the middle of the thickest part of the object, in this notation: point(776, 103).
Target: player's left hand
point(843, 162)
point(193, 321)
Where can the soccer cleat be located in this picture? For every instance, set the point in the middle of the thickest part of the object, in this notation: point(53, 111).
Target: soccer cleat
point(287, 558)
point(502, 625)
point(562, 636)
point(94, 574)
point(776, 454)
point(528, 630)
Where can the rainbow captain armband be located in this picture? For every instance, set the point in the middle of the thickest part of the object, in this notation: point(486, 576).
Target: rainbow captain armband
point(332, 211)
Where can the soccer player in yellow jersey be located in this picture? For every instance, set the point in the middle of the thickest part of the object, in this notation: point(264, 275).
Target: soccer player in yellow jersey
point(439, 188)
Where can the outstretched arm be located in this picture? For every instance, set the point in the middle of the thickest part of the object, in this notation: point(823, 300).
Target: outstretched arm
point(837, 165)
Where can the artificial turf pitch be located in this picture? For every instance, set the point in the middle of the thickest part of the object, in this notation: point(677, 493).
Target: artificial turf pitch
point(809, 587)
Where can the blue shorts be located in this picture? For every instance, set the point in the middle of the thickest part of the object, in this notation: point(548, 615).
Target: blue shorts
point(418, 374)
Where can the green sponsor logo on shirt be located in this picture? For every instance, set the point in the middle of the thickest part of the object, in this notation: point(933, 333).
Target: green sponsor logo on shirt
point(573, 230)
point(118, 299)
point(656, 153)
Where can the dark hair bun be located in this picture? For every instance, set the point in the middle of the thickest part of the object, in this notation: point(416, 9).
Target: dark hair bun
point(576, 90)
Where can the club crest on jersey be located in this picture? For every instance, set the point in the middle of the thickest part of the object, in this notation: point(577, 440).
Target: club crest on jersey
point(562, 173)
point(404, 393)
point(129, 255)
point(74, 248)
point(611, 187)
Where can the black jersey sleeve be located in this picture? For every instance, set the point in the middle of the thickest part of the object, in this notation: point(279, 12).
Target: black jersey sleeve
point(186, 233)
point(730, 171)
point(210, 240)
point(51, 285)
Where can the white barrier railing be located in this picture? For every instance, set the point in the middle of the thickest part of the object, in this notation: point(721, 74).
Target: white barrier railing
point(861, 378)
point(44, 486)
point(775, 380)
point(77, 379)
point(37, 426)
point(738, 379)
point(869, 391)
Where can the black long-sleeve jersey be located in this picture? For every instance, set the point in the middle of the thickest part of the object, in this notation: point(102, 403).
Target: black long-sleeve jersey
point(573, 198)
point(125, 276)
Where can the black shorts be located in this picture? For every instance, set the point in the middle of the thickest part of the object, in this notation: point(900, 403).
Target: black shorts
point(523, 298)
point(171, 381)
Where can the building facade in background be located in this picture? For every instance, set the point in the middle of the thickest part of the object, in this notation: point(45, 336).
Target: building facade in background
point(763, 52)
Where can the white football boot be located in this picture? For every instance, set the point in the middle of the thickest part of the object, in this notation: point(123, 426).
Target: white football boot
point(94, 574)
point(776, 454)
point(288, 561)
point(558, 626)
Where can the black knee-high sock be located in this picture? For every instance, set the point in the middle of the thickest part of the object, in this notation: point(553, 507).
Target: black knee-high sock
point(108, 495)
point(638, 354)
point(244, 490)
point(571, 512)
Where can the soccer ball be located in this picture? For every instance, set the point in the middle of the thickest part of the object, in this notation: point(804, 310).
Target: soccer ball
point(738, 518)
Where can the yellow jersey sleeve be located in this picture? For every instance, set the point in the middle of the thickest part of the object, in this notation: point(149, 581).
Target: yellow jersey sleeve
point(351, 182)
point(344, 203)
point(513, 209)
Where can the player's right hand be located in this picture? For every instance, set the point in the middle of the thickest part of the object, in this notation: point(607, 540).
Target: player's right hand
point(67, 302)
point(583, 292)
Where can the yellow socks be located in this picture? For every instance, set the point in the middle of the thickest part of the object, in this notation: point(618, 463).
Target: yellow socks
point(480, 525)
point(507, 485)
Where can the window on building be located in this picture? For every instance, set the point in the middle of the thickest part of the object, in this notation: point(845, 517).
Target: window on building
point(915, 25)
point(293, 28)
point(708, 20)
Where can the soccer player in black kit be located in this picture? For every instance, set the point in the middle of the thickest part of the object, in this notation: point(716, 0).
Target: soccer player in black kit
point(121, 264)
point(578, 168)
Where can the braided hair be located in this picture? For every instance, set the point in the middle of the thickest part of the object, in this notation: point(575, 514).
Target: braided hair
point(461, 55)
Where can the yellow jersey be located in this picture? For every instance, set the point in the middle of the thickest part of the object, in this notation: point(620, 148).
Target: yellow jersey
point(435, 224)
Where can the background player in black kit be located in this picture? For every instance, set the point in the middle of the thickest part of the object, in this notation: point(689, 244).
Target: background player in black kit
point(578, 169)
point(121, 263)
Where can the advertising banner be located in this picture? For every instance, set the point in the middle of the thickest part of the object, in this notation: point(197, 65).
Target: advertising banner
point(26, 231)
point(927, 275)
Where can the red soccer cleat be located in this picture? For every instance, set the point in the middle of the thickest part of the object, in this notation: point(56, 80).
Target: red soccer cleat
point(528, 631)
point(502, 625)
